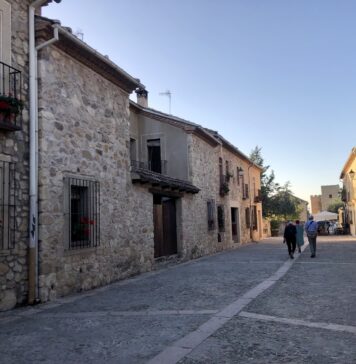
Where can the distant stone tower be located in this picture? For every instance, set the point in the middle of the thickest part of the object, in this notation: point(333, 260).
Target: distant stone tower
point(315, 202)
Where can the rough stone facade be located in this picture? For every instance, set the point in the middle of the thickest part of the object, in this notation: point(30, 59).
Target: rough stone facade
point(315, 202)
point(329, 195)
point(197, 239)
point(84, 132)
point(235, 197)
point(14, 147)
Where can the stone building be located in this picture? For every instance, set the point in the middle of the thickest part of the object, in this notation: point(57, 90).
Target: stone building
point(349, 192)
point(114, 180)
point(94, 227)
point(199, 178)
point(14, 152)
point(330, 194)
point(315, 202)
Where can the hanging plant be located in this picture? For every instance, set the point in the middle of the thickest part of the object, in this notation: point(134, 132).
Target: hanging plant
point(10, 105)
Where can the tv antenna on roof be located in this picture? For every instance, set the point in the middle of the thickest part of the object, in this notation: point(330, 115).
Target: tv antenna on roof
point(169, 95)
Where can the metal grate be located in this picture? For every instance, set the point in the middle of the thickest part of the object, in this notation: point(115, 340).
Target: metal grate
point(221, 218)
point(83, 213)
point(7, 205)
point(10, 98)
point(211, 216)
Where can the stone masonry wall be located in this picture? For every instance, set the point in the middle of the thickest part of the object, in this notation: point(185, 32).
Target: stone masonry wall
point(14, 147)
point(197, 240)
point(84, 131)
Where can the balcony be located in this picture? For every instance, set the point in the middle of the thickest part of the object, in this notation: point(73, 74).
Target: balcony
point(10, 98)
point(258, 197)
point(224, 185)
point(157, 166)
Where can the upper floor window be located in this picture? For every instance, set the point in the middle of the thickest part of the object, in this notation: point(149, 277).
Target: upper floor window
point(330, 196)
point(221, 172)
point(154, 155)
point(82, 212)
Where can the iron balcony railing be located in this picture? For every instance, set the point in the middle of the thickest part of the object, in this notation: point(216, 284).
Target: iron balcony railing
point(10, 98)
point(224, 185)
point(159, 166)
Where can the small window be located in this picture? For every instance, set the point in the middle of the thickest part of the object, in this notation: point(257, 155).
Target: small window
point(254, 218)
point(83, 214)
point(238, 172)
point(7, 205)
point(154, 155)
point(245, 192)
point(221, 172)
point(330, 196)
point(211, 217)
point(221, 218)
point(247, 217)
point(133, 151)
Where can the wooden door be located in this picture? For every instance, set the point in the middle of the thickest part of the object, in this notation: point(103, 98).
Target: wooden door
point(235, 225)
point(165, 226)
point(169, 226)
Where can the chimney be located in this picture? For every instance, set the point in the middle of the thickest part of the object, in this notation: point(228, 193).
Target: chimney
point(142, 98)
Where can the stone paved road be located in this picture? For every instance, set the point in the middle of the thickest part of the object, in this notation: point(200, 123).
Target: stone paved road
point(250, 305)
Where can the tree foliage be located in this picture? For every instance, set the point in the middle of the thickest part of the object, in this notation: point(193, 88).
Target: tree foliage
point(278, 201)
point(334, 207)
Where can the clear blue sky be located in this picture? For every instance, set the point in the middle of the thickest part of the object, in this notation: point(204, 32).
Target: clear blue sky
point(280, 74)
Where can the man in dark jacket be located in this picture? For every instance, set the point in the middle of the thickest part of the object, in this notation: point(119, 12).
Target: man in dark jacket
point(290, 236)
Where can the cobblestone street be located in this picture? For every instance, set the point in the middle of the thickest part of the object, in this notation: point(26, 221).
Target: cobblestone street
point(250, 305)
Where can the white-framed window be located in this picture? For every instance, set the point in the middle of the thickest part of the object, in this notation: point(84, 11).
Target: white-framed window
point(82, 212)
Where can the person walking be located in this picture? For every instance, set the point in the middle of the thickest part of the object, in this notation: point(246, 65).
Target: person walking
point(300, 235)
point(311, 228)
point(290, 235)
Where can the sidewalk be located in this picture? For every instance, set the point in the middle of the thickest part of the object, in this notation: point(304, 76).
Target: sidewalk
point(226, 308)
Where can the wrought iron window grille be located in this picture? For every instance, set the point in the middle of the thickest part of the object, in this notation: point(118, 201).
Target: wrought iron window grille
point(82, 212)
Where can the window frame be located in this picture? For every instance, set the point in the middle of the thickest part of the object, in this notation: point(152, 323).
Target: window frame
point(211, 215)
point(221, 218)
point(7, 204)
point(88, 219)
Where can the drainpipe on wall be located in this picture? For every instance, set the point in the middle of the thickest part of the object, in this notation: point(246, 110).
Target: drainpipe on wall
point(250, 194)
point(33, 295)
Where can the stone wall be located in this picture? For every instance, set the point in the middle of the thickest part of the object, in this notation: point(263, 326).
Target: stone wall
point(14, 147)
point(235, 199)
point(84, 131)
point(196, 239)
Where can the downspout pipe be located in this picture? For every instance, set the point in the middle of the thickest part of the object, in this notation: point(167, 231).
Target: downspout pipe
point(250, 193)
point(33, 292)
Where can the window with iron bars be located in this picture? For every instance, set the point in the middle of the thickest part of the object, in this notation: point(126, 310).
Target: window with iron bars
point(221, 218)
point(247, 217)
point(211, 214)
point(7, 205)
point(82, 210)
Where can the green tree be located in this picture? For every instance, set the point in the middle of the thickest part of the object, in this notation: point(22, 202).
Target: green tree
point(284, 205)
point(268, 184)
point(334, 207)
point(278, 202)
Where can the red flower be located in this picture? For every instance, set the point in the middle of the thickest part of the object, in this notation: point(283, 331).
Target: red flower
point(4, 105)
